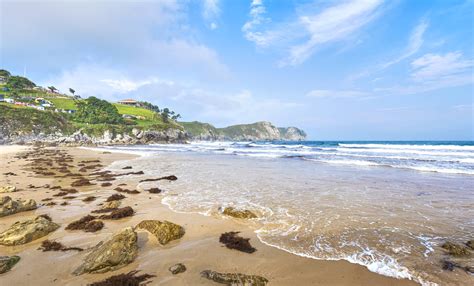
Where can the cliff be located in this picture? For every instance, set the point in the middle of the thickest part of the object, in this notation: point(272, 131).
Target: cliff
point(27, 125)
point(262, 130)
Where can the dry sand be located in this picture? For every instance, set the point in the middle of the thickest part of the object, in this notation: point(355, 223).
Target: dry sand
point(199, 249)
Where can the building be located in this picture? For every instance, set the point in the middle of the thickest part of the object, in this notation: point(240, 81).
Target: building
point(131, 102)
point(9, 100)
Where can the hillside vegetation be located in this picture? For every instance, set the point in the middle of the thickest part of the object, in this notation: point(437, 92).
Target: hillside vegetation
point(33, 109)
point(255, 131)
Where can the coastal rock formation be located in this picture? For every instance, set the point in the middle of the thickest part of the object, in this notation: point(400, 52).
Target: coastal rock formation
point(177, 268)
point(262, 130)
point(7, 189)
point(455, 249)
point(245, 214)
point(9, 206)
point(234, 279)
point(7, 263)
point(120, 250)
point(470, 244)
point(26, 231)
point(164, 231)
point(111, 205)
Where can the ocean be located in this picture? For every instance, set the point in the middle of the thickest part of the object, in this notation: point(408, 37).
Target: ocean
point(385, 205)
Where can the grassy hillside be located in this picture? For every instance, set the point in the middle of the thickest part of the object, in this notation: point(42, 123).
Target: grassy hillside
point(197, 127)
point(254, 131)
point(24, 120)
point(62, 102)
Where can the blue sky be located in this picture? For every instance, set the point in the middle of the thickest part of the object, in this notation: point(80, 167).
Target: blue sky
point(342, 70)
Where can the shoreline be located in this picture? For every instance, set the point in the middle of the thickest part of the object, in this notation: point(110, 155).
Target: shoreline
point(199, 249)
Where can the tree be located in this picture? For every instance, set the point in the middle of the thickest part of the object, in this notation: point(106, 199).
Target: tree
point(52, 89)
point(94, 111)
point(5, 74)
point(19, 82)
point(176, 117)
point(72, 91)
point(165, 115)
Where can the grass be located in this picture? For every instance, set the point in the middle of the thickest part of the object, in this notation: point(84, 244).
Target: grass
point(25, 120)
point(136, 111)
point(63, 103)
point(12, 105)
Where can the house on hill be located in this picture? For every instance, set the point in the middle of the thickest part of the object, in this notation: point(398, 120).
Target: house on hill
point(131, 102)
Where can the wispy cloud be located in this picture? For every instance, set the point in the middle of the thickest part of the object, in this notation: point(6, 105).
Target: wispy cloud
point(124, 85)
point(211, 12)
point(414, 43)
point(437, 67)
point(326, 93)
point(314, 28)
point(257, 18)
point(436, 71)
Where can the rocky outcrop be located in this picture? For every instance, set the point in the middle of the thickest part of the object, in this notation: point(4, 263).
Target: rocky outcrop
point(26, 231)
point(292, 134)
point(455, 249)
point(164, 231)
point(136, 136)
point(258, 131)
point(177, 268)
point(120, 250)
point(7, 263)
point(9, 206)
point(470, 244)
point(7, 189)
point(234, 279)
point(108, 137)
point(245, 214)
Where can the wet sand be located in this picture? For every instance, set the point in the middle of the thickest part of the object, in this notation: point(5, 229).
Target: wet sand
point(199, 249)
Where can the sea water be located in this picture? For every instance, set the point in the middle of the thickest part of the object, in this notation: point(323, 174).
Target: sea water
point(385, 205)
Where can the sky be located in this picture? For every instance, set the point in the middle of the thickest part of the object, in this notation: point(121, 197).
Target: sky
point(340, 70)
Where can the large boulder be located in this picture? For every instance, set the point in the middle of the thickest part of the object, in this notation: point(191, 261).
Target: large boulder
point(7, 189)
point(234, 279)
point(7, 263)
point(9, 206)
point(245, 214)
point(28, 230)
point(120, 250)
point(164, 231)
point(470, 244)
point(111, 205)
point(455, 249)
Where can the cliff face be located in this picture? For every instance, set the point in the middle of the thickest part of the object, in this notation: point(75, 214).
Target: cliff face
point(243, 132)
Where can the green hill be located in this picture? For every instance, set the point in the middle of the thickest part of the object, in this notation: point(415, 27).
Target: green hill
point(242, 132)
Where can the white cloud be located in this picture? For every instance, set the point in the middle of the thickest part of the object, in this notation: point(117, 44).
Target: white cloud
point(143, 37)
point(211, 12)
point(436, 67)
point(436, 71)
point(414, 44)
point(124, 85)
point(256, 18)
point(310, 29)
point(325, 93)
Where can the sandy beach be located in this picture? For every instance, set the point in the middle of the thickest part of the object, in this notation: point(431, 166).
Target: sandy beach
point(199, 249)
